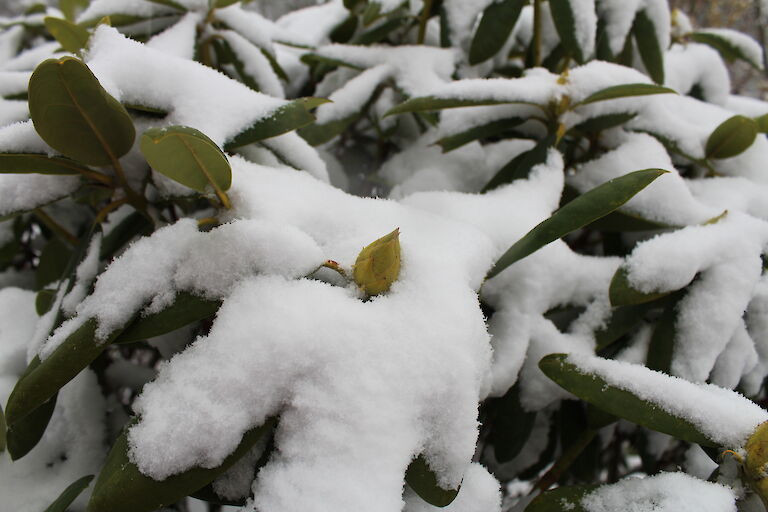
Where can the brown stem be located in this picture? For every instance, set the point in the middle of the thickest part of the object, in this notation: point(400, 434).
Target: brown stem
point(423, 21)
point(537, 33)
point(564, 462)
point(56, 227)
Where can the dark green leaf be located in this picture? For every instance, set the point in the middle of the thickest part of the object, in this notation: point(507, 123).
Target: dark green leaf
point(624, 91)
point(286, 118)
point(604, 122)
point(44, 301)
point(371, 13)
point(420, 477)
point(427, 103)
point(511, 427)
point(24, 435)
point(596, 391)
point(225, 3)
point(622, 293)
point(116, 20)
point(344, 31)
point(651, 52)
point(731, 138)
point(519, 167)
point(186, 308)
point(560, 499)
point(69, 495)
point(726, 47)
point(121, 487)
point(145, 110)
point(71, 37)
point(73, 113)
point(623, 320)
point(663, 340)
point(53, 263)
point(494, 28)
point(40, 164)
point(186, 155)
point(126, 230)
point(316, 134)
point(586, 208)
point(623, 222)
point(565, 24)
point(492, 129)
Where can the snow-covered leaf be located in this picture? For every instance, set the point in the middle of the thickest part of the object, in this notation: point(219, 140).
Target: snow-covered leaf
point(492, 129)
point(732, 137)
point(69, 495)
point(75, 115)
point(731, 44)
point(423, 481)
point(622, 293)
point(576, 24)
point(583, 210)
point(625, 90)
point(651, 53)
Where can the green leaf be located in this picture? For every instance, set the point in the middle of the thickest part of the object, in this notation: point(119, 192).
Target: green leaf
point(725, 47)
point(623, 222)
point(663, 340)
point(187, 156)
point(380, 32)
point(121, 487)
point(69, 495)
point(73, 113)
point(624, 91)
point(596, 391)
point(71, 8)
point(171, 3)
point(24, 435)
point(651, 52)
point(44, 301)
point(519, 167)
point(762, 123)
point(560, 499)
point(316, 134)
point(586, 208)
point(565, 24)
point(420, 477)
point(53, 263)
point(117, 20)
point(371, 13)
point(286, 118)
point(623, 320)
point(492, 129)
point(186, 308)
point(23, 163)
point(604, 122)
point(494, 28)
point(71, 37)
point(511, 426)
point(622, 293)
point(225, 3)
point(427, 103)
point(731, 138)
point(344, 31)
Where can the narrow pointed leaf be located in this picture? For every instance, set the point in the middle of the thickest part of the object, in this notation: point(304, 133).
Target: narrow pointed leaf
point(651, 52)
point(494, 28)
point(492, 129)
point(622, 293)
point(188, 156)
point(565, 24)
point(170, 3)
point(73, 113)
point(604, 122)
point(624, 91)
point(588, 207)
point(732, 137)
point(619, 402)
point(69, 495)
point(71, 37)
point(428, 103)
point(24, 435)
point(121, 487)
point(289, 117)
point(728, 48)
point(23, 163)
point(662, 342)
point(420, 477)
point(186, 308)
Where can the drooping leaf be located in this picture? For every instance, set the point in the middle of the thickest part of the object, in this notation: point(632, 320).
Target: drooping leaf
point(520, 166)
point(596, 391)
point(494, 28)
point(622, 293)
point(732, 137)
point(186, 308)
point(23, 163)
point(71, 37)
point(651, 52)
point(288, 117)
point(494, 128)
point(420, 477)
point(187, 156)
point(53, 263)
point(24, 435)
point(565, 23)
point(559, 499)
point(624, 91)
point(727, 48)
point(69, 495)
point(121, 487)
point(73, 113)
point(428, 103)
point(583, 210)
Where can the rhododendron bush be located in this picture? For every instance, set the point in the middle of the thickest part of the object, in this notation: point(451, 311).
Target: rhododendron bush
point(380, 255)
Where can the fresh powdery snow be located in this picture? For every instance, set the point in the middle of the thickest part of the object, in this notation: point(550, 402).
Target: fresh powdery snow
point(728, 418)
point(665, 492)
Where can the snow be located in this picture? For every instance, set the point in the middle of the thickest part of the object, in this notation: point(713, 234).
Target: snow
point(462, 16)
point(250, 25)
point(697, 65)
point(350, 99)
point(22, 192)
point(312, 25)
point(255, 64)
point(585, 25)
point(665, 492)
point(619, 16)
point(85, 274)
point(97, 9)
point(745, 44)
point(179, 39)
